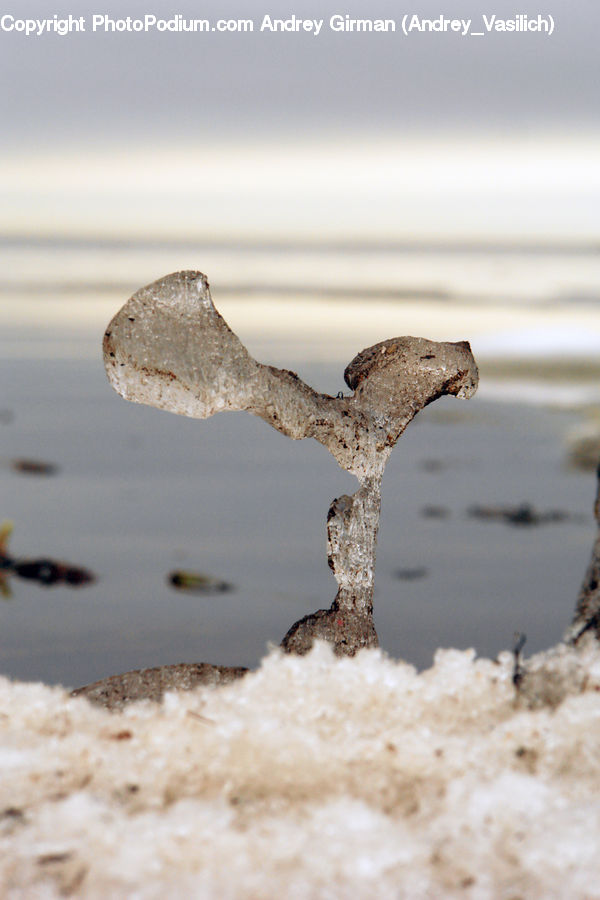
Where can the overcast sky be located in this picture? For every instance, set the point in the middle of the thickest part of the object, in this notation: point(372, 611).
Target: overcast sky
point(112, 87)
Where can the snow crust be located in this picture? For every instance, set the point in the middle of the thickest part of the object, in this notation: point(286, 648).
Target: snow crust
point(313, 777)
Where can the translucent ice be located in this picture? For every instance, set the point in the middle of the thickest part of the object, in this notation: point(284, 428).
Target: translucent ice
point(169, 347)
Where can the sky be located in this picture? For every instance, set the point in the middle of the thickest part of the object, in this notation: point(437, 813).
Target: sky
point(114, 87)
point(336, 134)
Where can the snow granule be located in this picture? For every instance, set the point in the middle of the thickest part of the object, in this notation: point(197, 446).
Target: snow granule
point(313, 777)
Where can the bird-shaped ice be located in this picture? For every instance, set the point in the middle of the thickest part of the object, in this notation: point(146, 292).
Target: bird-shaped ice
point(170, 348)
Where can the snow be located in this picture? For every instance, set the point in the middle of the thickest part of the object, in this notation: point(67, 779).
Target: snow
point(312, 777)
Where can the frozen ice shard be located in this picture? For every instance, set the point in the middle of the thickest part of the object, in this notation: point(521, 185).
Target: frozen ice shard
point(169, 347)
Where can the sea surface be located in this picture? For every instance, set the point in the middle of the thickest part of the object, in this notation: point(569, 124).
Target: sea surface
point(137, 494)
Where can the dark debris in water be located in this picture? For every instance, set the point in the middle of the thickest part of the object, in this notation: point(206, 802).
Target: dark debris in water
point(47, 572)
point(523, 515)
point(411, 574)
point(198, 583)
point(435, 512)
point(433, 465)
point(33, 467)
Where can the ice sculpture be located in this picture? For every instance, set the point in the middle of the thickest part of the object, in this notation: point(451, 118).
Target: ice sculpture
point(169, 347)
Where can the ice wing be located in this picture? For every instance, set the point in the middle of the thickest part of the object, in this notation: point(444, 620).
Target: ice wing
point(169, 347)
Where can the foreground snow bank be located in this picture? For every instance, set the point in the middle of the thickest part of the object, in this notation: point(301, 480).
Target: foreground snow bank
point(313, 777)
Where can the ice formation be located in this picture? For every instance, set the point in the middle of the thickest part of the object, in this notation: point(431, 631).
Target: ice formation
point(587, 611)
point(170, 348)
point(315, 776)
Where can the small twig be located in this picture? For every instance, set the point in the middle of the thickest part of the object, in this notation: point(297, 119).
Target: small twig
point(204, 719)
point(518, 671)
point(592, 622)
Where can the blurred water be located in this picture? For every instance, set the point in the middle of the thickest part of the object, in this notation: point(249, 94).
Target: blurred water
point(542, 273)
point(140, 492)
